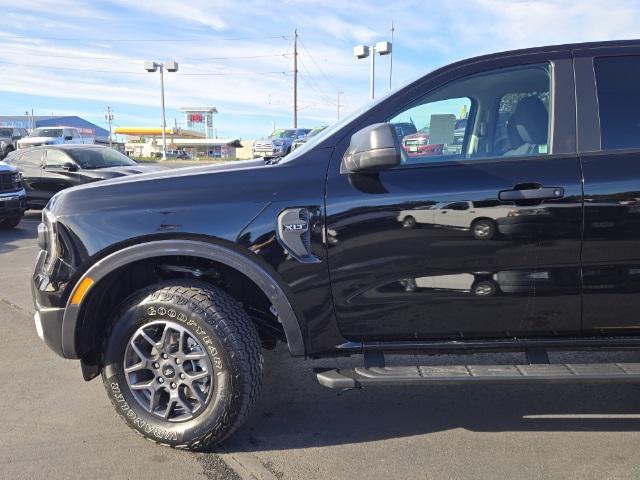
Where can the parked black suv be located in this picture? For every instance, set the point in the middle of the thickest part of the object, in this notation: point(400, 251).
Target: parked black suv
point(47, 170)
point(169, 284)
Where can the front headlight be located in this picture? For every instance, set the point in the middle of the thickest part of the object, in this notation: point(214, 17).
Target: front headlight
point(48, 239)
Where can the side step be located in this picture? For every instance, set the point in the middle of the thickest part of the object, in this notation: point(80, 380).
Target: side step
point(459, 374)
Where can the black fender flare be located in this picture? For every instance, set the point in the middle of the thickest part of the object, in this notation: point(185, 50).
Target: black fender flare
point(210, 251)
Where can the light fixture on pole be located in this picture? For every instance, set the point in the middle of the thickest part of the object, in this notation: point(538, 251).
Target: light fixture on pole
point(364, 51)
point(154, 67)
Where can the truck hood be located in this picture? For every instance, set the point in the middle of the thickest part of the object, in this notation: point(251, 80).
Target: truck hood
point(30, 140)
point(181, 187)
point(114, 172)
point(4, 167)
point(152, 173)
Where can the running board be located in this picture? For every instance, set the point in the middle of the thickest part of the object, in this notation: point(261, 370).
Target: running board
point(459, 374)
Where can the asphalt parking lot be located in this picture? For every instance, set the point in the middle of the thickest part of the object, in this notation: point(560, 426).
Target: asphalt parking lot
point(57, 426)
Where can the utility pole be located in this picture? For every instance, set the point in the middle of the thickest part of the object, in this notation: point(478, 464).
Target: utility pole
point(109, 118)
point(295, 78)
point(339, 93)
point(391, 56)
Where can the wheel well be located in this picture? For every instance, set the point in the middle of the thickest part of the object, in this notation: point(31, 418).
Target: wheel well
point(476, 220)
point(114, 288)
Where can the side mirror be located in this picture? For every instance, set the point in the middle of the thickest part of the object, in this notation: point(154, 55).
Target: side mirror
point(373, 148)
point(70, 167)
point(16, 136)
point(68, 137)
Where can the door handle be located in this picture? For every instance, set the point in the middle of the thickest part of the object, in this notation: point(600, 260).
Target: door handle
point(540, 193)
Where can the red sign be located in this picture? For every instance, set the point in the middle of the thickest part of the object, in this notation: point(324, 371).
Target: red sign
point(196, 117)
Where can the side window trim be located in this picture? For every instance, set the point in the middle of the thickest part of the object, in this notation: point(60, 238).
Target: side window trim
point(472, 119)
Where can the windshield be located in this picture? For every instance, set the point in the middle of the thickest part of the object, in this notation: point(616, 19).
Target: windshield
point(47, 132)
point(315, 131)
point(282, 133)
point(91, 158)
point(6, 132)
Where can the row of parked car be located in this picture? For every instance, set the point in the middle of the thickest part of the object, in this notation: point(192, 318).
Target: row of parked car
point(29, 177)
point(283, 141)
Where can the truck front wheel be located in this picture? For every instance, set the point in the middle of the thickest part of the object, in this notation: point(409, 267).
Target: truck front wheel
point(182, 364)
point(10, 222)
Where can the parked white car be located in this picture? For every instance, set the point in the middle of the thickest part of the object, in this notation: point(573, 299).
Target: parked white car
point(53, 136)
point(479, 217)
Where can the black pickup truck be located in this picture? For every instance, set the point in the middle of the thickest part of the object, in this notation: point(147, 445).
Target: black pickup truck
point(524, 195)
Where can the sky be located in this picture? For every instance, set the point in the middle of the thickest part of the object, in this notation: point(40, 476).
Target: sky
point(73, 57)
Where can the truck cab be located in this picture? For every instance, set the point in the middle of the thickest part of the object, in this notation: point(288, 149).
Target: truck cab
point(170, 284)
point(53, 136)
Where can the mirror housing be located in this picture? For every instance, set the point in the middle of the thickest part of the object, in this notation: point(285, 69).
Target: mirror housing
point(373, 148)
point(68, 137)
point(70, 167)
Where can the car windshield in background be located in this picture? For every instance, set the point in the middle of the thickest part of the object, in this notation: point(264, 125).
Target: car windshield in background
point(46, 132)
point(91, 158)
point(283, 134)
point(6, 132)
point(315, 132)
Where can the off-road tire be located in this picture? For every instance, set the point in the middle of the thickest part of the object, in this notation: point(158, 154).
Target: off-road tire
point(231, 343)
point(8, 223)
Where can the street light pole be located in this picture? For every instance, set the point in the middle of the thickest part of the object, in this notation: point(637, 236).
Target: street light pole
point(164, 118)
point(171, 67)
point(363, 51)
point(372, 74)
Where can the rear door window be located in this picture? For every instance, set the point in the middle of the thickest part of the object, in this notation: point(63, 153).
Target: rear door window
point(617, 81)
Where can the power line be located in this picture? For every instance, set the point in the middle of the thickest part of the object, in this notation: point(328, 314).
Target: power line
point(121, 59)
point(315, 87)
point(150, 40)
point(318, 66)
point(89, 70)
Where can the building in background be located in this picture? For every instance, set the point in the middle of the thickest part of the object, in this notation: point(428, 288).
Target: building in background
point(198, 139)
point(86, 128)
point(147, 142)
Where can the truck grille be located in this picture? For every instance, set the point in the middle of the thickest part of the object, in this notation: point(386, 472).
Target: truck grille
point(263, 147)
point(9, 182)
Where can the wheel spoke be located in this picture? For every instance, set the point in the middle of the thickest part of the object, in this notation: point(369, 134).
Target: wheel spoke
point(195, 355)
point(184, 404)
point(170, 405)
point(138, 366)
point(197, 376)
point(143, 386)
point(195, 389)
point(153, 399)
point(150, 340)
point(181, 343)
point(163, 338)
point(143, 356)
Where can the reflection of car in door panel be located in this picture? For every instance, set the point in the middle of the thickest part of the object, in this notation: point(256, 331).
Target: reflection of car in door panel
point(479, 216)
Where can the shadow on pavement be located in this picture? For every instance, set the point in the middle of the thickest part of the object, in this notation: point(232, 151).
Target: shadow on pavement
point(27, 229)
point(295, 412)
